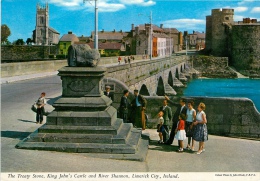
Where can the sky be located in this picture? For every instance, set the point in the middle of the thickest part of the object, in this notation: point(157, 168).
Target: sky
point(79, 17)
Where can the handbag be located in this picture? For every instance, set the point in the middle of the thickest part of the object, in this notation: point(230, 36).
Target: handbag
point(34, 107)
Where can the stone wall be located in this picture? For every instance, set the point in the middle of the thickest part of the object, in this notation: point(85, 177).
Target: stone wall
point(212, 67)
point(25, 53)
point(236, 117)
point(245, 48)
point(32, 67)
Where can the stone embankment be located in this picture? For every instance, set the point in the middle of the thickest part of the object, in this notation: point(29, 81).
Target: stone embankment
point(232, 117)
point(212, 67)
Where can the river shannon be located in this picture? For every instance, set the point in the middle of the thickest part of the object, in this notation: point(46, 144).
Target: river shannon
point(243, 88)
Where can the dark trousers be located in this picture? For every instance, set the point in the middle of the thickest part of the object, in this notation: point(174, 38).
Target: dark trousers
point(165, 133)
point(172, 134)
point(39, 114)
point(124, 117)
point(138, 117)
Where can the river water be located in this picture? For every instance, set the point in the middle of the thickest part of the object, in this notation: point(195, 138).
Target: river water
point(248, 88)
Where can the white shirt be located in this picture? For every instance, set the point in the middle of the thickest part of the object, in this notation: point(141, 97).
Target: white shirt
point(199, 116)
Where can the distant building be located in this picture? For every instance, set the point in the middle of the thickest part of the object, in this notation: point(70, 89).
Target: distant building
point(109, 48)
point(110, 43)
point(65, 41)
point(43, 34)
point(138, 41)
point(196, 40)
point(175, 36)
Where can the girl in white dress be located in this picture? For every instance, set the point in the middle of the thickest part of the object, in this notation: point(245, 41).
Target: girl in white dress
point(180, 131)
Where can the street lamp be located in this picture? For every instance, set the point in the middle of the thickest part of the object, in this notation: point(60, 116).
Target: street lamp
point(151, 36)
point(96, 24)
point(186, 40)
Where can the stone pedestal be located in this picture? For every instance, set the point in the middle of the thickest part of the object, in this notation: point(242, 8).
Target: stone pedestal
point(84, 121)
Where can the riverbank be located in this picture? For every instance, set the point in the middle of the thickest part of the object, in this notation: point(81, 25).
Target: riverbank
point(212, 67)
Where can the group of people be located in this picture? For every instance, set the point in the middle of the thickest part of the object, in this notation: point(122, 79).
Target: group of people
point(135, 108)
point(187, 123)
point(127, 59)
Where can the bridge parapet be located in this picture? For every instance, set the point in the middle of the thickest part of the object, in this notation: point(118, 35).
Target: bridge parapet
point(152, 75)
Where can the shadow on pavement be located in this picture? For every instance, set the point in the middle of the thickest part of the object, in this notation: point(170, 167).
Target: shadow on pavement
point(52, 100)
point(153, 145)
point(27, 121)
point(15, 134)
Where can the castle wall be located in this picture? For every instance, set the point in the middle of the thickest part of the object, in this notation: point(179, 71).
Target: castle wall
point(245, 47)
point(208, 32)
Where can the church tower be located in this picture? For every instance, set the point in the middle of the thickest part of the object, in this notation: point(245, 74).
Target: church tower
point(42, 25)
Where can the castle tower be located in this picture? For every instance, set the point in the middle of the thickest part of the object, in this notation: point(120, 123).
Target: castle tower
point(217, 31)
point(42, 25)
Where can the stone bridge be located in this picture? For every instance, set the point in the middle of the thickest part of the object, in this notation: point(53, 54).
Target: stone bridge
point(153, 78)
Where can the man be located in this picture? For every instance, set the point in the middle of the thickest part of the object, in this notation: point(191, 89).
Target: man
point(182, 109)
point(167, 116)
point(123, 108)
point(139, 105)
point(108, 93)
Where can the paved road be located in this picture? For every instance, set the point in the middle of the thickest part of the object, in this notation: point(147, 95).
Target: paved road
point(17, 122)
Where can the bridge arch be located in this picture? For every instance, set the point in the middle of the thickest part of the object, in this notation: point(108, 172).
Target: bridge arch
point(144, 91)
point(160, 87)
point(177, 73)
point(170, 79)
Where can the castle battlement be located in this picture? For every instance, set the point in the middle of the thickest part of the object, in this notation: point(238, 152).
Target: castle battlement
point(222, 11)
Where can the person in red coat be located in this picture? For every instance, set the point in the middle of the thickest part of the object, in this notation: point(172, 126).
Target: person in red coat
point(180, 131)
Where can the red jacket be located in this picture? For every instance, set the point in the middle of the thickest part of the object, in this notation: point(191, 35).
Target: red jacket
point(181, 125)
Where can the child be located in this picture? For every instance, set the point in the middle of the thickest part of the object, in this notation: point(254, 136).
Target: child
point(160, 128)
point(41, 102)
point(180, 131)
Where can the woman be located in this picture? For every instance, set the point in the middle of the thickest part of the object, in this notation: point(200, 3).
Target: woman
point(191, 117)
point(200, 128)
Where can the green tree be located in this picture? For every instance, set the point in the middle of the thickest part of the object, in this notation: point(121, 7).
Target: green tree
point(28, 41)
point(19, 42)
point(5, 33)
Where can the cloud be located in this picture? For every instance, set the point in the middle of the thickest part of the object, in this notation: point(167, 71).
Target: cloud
point(66, 3)
point(103, 5)
point(240, 9)
point(188, 24)
point(255, 10)
point(238, 18)
point(246, 1)
point(138, 2)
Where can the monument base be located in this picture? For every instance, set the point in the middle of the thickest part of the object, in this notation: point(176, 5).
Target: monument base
point(84, 121)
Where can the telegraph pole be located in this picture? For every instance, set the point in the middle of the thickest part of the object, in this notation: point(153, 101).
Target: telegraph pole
point(151, 39)
point(96, 24)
